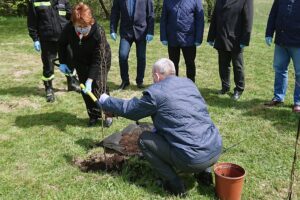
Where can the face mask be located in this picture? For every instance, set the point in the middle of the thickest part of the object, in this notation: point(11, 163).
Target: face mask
point(83, 31)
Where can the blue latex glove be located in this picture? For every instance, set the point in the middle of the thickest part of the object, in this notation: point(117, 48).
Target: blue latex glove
point(211, 43)
point(269, 40)
point(164, 42)
point(64, 69)
point(88, 86)
point(102, 98)
point(197, 44)
point(149, 38)
point(113, 36)
point(242, 46)
point(37, 45)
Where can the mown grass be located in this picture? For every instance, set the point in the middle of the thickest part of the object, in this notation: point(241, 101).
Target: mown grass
point(38, 140)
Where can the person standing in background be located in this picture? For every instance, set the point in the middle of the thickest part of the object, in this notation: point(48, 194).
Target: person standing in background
point(137, 25)
point(181, 28)
point(229, 33)
point(45, 21)
point(284, 20)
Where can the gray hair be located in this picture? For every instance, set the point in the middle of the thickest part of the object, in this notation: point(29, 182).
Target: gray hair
point(164, 66)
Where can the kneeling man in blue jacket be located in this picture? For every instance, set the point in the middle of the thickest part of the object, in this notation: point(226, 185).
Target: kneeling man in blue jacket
point(184, 139)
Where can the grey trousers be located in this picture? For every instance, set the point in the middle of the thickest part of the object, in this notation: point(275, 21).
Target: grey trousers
point(164, 159)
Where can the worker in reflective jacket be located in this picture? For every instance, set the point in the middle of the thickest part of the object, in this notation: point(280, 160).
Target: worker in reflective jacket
point(45, 22)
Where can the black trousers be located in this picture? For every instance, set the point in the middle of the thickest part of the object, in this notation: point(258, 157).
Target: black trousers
point(189, 55)
point(164, 159)
point(98, 87)
point(225, 57)
point(49, 52)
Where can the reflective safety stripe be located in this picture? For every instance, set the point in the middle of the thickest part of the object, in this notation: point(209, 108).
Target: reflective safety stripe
point(62, 13)
point(48, 79)
point(42, 3)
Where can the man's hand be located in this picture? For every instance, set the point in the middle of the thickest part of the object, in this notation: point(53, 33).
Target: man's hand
point(64, 69)
point(211, 43)
point(102, 98)
point(37, 45)
point(242, 46)
point(113, 36)
point(164, 42)
point(269, 41)
point(197, 44)
point(88, 86)
point(149, 38)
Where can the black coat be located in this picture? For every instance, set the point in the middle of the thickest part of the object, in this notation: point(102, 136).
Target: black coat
point(137, 27)
point(231, 24)
point(46, 19)
point(285, 23)
point(91, 54)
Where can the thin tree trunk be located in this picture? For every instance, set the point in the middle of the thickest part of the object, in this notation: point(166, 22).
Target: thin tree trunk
point(104, 8)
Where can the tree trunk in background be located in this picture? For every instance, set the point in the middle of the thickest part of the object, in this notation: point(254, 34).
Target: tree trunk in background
point(107, 15)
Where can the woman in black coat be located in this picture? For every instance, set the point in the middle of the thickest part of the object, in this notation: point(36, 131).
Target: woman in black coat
point(91, 56)
point(229, 33)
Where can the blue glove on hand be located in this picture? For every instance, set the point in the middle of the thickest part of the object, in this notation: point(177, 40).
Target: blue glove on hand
point(149, 38)
point(113, 36)
point(88, 86)
point(269, 40)
point(211, 43)
point(242, 46)
point(164, 42)
point(197, 44)
point(64, 69)
point(102, 98)
point(37, 45)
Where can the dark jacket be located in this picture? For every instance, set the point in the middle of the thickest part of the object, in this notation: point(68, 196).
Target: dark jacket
point(182, 22)
point(231, 24)
point(179, 114)
point(133, 28)
point(90, 54)
point(47, 18)
point(284, 19)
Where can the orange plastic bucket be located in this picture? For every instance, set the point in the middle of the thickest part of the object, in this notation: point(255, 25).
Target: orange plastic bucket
point(229, 179)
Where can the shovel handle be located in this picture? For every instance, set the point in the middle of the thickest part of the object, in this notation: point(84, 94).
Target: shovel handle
point(89, 93)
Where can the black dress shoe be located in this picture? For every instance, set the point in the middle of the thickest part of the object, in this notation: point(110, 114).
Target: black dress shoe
point(175, 187)
point(223, 91)
point(140, 85)
point(204, 178)
point(273, 103)
point(92, 122)
point(123, 85)
point(236, 95)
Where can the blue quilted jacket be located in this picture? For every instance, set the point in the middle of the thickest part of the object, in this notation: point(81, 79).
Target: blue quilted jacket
point(182, 22)
point(179, 114)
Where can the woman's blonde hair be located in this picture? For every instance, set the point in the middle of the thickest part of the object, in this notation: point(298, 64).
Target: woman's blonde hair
point(82, 14)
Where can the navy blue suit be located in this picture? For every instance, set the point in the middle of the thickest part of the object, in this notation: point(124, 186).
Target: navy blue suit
point(132, 29)
point(138, 26)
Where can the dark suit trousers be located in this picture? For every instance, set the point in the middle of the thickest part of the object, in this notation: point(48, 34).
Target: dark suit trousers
point(164, 159)
point(189, 54)
point(225, 58)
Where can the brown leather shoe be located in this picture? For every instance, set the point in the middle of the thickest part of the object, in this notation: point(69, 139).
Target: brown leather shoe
point(273, 103)
point(296, 108)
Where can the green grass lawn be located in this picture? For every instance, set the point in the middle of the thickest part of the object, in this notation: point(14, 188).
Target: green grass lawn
point(38, 140)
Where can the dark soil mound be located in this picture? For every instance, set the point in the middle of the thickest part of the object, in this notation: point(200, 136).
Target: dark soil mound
point(99, 161)
point(129, 142)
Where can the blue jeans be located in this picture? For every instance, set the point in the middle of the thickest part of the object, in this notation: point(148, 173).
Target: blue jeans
point(282, 57)
point(124, 50)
